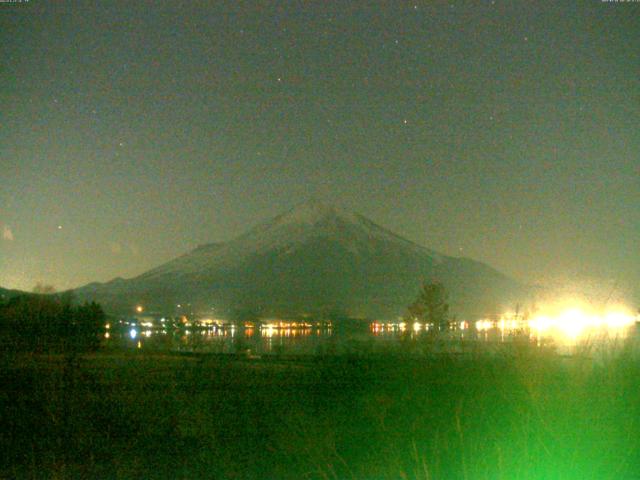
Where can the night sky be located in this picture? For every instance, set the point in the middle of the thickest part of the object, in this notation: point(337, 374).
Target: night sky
point(131, 132)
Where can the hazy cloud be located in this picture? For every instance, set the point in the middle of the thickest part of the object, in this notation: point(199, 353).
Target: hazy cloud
point(7, 233)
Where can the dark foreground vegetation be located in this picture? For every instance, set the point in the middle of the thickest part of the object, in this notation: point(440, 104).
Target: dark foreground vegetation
point(49, 323)
point(523, 413)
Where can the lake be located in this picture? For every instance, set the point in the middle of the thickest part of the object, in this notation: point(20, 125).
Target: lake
point(566, 336)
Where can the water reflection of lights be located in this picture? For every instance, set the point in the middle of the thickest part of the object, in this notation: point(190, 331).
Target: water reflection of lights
point(563, 327)
point(378, 328)
point(281, 324)
point(268, 332)
point(288, 329)
point(301, 332)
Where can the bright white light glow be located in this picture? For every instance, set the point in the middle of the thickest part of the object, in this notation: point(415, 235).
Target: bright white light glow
point(573, 322)
point(482, 325)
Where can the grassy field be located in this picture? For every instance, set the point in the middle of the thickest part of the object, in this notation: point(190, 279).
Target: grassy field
point(521, 413)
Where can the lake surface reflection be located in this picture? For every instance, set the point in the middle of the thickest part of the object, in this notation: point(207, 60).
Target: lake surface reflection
point(374, 337)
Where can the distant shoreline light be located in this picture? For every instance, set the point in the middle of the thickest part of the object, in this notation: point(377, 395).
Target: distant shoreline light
point(565, 320)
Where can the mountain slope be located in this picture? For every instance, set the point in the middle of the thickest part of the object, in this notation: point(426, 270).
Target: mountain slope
point(315, 259)
point(6, 294)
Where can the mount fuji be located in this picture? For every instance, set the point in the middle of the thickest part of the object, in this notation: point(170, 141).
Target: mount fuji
point(313, 260)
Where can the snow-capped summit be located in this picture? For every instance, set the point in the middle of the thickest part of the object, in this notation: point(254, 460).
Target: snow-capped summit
point(314, 219)
point(312, 212)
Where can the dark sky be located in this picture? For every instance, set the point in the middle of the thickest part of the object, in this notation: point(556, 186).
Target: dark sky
point(504, 131)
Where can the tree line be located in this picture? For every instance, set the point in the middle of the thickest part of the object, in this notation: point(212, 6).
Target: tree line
point(50, 323)
point(430, 306)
